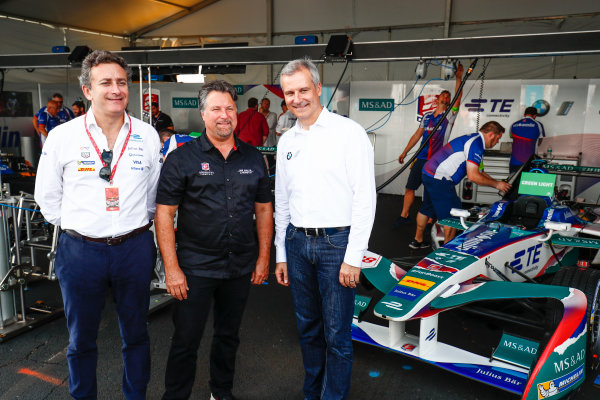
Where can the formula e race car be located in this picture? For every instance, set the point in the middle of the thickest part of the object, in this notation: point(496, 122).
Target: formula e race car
point(516, 264)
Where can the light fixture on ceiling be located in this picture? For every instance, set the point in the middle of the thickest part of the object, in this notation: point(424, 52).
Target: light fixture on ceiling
point(191, 78)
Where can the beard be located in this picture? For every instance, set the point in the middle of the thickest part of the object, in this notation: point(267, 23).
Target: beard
point(224, 131)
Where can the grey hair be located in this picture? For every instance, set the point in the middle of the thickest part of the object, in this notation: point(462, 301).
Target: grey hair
point(212, 86)
point(296, 65)
point(98, 57)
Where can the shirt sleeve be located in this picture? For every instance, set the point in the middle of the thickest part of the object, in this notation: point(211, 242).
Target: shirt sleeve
point(360, 167)
point(171, 184)
point(263, 192)
point(49, 181)
point(280, 124)
point(168, 120)
point(42, 118)
point(155, 167)
point(282, 205)
point(423, 121)
point(475, 151)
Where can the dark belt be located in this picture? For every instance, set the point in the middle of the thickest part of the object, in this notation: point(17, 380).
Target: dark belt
point(321, 231)
point(111, 241)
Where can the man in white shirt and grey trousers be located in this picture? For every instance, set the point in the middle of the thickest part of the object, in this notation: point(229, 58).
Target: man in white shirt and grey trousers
point(97, 179)
point(324, 211)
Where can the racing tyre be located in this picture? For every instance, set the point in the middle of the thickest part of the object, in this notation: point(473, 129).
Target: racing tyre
point(588, 281)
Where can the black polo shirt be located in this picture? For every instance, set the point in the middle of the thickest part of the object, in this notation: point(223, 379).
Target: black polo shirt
point(163, 121)
point(215, 235)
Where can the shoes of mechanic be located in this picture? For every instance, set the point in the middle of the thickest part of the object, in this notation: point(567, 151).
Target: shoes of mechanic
point(400, 221)
point(222, 397)
point(418, 245)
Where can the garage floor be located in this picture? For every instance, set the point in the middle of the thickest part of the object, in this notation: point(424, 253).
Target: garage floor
point(33, 365)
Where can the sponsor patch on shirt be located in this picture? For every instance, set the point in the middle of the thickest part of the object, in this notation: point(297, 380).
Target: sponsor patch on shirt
point(205, 169)
point(135, 137)
point(86, 169)
point(86, 162)
point(85, 154)
point(245, 171)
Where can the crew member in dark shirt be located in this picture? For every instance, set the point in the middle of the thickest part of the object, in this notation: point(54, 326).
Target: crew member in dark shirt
point(160, 120)
point(217, 183)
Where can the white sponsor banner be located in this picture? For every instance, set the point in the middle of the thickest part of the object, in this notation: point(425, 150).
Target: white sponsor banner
point(569, 110)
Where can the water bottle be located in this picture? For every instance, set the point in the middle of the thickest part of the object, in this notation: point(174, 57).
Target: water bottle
point(549, 151)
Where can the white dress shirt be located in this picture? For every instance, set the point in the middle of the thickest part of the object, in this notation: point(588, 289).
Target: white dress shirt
point(325, 178)
point(70, 192)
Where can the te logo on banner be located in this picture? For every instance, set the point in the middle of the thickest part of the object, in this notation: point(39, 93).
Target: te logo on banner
point(497, 105)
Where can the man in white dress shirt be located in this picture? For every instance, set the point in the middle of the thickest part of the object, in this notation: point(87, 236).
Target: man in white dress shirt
point(324, 211)
point(97, 179)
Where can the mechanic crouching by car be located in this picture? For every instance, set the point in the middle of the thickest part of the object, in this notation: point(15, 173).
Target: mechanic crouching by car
point(462, 156)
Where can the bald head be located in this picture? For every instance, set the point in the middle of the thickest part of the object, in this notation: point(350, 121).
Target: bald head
point(52, 108)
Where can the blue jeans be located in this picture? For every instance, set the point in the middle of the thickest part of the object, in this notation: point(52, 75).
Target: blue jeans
point(324, 311)
point(86, 271)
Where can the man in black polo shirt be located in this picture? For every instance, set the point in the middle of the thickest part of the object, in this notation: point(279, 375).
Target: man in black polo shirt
point(217, 183)
point(160, 120)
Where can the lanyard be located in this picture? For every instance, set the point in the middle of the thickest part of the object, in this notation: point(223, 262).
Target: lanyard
point(114, 169)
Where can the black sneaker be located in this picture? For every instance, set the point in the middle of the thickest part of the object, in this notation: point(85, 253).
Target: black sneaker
point(400, 221)
point(418, 245)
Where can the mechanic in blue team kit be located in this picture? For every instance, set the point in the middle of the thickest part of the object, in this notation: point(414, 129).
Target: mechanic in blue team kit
point(462, 156)
point(171, 140)
point(525, 133)
point(47, 120)
point(62, 115)
point(439, 139)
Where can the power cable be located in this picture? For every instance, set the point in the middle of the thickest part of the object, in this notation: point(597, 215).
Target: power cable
point(338, 83)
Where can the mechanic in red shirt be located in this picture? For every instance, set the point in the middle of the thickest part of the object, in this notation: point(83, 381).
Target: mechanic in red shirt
point(252, 126)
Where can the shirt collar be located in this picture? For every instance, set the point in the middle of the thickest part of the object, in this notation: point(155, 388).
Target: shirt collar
point(482, 138)
point(91, 119)
point(207, 144)
point(322, 120)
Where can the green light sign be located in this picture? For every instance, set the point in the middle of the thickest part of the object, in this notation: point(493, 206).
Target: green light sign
point(537, 184)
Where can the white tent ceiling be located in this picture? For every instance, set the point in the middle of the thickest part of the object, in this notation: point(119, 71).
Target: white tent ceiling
point(33, 26)
point(180, 18)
